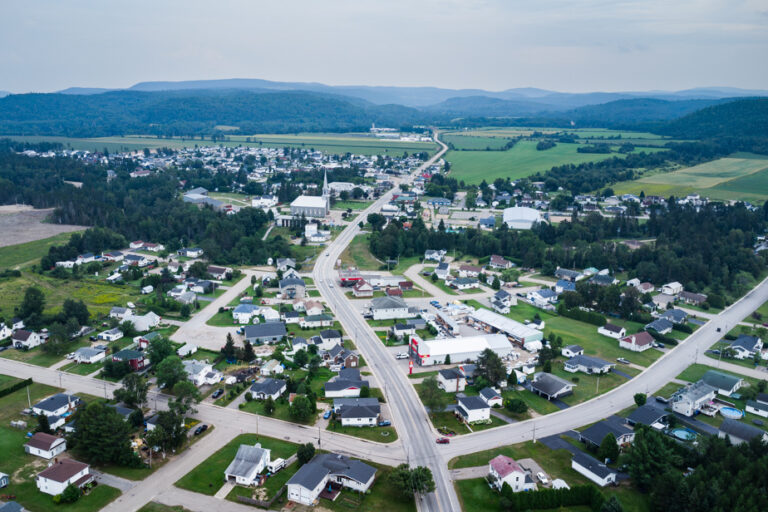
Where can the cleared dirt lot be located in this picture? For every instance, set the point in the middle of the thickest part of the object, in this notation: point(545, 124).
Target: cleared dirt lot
point(20, 224)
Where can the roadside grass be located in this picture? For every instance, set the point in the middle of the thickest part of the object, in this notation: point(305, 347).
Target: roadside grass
point(448, 420)
point(351, 204)
point(154, 506)
point(696, 371)
point(376, 434)
point(358, 255)
point(38, 357)
point(207, 478)
point(83, 369)
point(29, 253)
point(534, 402)
point(447, 289)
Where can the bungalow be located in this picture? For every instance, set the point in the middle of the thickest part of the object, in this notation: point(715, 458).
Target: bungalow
point(443, 270)
point(283, 264)
point(359, 415)
point(201, 373)
point(465, 283)
point(757, 408)
point(137, 244)
point(505, 470)
point(314, 321)
point(563, 286)
point(362, 289)
point(113, 334)
point(542, 298)
point(5, 331)
point(134, 358)
point(745, 347)
point(676, 316)
point(572, 351)
point(186, 350)
point(190, 252)
point(603, 280)
point(433, 255)
point(292, 287)
point(88, 355)
point(672, 288)
point(248, 463)
point(491, 397)
point(145, 322)
point(290, 317)
point(388, 308)
point(639, 342)
point(696, 299)
point(688, 400)
point(45, 445)
point(271, 367)
point(244, 313)
point(56, 405)
point(451, 380)
point(739, 432)
point(26, 339)
point(268, 388)
point(587, 364)
point(469, 271)
point(269, 332)
point(612, 331)
point(60, 475)
point(312, 478)
point(219, 272)
point(595, 434)
point(149, 246)
point(648, 415)
point(568, 275)
point(497, 261)
point(551, 386)
point(663, 301)
point(725, 384)
point(645, 287)
point(660, 325)
point(345, 385)
point(136, 260)
point(115, 256)
point(330, 337)
point(399, 331)
point(120, 313)
point(471, 409)
point(593, 469)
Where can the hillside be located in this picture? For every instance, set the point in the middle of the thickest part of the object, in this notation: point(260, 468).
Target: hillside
point(485, 106)
point(191, 112)
point(632, 111)
point(740, 118)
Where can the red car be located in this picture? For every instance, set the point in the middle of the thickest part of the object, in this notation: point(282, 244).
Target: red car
point(443, 440)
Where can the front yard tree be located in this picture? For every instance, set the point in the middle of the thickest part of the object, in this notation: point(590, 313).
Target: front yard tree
point(432, 396)
point(305, 453)
point(410, 481)
point(640, 399)
point(612, 505)
point(301, 408)
point(609, 448)
point(490, 366)
point(187, 395)
point(43, 425)
point(269, 406)
point(301, 358)
point(229, 351)
point(158, 350)
point(169, 372)
point(103, 436)
point(76, 309)
point(134, 391)
point(169, 432)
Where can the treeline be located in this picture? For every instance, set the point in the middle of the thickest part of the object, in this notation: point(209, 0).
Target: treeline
point(707, 249)
point(94, 240)
point(142, 208)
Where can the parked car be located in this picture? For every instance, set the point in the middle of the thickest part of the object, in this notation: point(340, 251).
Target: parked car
point(622, 360)
point(199, 430)
point(385, 423)
point(542, 478)
point(443, 440)
point(327, 414)
point(216, 394)
point(662, 400)
point(401, 355)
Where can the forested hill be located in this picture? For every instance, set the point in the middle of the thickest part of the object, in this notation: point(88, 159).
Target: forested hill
point(192, 113)
point(740, 118)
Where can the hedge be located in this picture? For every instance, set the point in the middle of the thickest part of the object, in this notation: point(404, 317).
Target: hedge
point(682, 328)
point(15, 387)
point(589, 317)
point(578, 495)
point(661, 338)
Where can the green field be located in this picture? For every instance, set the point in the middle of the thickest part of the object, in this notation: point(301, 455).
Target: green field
point(28, 253)
point(360, 144)
point(740, 176)
point(519, 162)
point(474, 143)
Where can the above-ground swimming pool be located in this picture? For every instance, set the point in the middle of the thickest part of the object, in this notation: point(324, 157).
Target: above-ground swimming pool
point(683, 434)
point(731, 413)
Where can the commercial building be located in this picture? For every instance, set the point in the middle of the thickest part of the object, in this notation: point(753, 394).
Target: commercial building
point(527, 337)
point(461, 349)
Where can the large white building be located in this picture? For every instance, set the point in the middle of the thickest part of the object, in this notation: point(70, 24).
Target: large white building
point(528, 337)
point(520, 217)
point(428, 352)
point(314, 207)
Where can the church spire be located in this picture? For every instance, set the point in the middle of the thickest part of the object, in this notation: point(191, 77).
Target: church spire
point(326, 192)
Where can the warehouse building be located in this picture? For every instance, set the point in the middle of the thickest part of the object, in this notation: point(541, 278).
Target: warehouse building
point(527, 337)
point(460, 350)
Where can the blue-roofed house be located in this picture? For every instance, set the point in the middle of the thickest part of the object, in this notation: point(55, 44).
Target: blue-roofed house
point(565, 286)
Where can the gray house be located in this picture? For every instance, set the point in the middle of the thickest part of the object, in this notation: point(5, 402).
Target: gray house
point(269, 332)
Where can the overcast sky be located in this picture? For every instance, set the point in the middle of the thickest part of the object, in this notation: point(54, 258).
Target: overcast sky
point(566, 45)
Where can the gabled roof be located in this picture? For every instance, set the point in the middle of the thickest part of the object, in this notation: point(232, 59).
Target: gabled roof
point(549, 384)
point(587, 362)
point(593, 465)
point(56, 402)
point(330, 333)
point(247, 460)
point(504, 465)
point(745, 342)
point(646, 415)
point(388, 303)
point(267, 329)
point(311, 474)
point(472, 403)
point(489, 393)
point(660, 324)
point(720, 380)
point(597, 432)
point(359, 411)
point(612, 328)
point(575, 348)
point(741, 430)
point(43, 441)
point(640, 339)
point(450, 374)
point(64, 470)
point(675, 315)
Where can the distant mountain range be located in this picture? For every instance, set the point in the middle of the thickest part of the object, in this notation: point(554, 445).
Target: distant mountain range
point(4, 93)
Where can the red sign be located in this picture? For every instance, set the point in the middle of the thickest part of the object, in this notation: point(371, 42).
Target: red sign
point(410, 367)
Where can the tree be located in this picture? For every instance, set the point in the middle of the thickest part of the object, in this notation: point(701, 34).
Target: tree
point(134, 391)
point(409, 481)
point(612, 505)
point(136, 418)
point(169, 372)
point(57, 339)
point(496, 284)
point(75, 309)
point(103, 436)
point(248, 354)
point(116, 369)
point(158, 350)
point(43, 425)
point(184, 311)
point(609, 448)
point(432, 396)
point(640, 399)
point(33, 303)
point(548, 366)
point(447, 359)
point(186, 396)
point(71, 494)
point(229, 351)
point(301, 408)
point(490, 366)
point(169, 432)
point(301, 358)
point(365, 392)
point(516, 406)
point(305, 453)
point(199, 270)
point(649, 456)
point(269, 406)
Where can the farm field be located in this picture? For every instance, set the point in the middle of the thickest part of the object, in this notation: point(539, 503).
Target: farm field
point(21, 255)
point(472, 142)
point(331, 143)
point(514, 131)
point(741, 176)
point(21, 224)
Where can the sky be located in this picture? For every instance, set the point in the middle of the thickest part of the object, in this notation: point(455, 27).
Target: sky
point(564, 45)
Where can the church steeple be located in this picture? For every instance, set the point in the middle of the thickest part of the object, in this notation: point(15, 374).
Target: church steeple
point(326, 191)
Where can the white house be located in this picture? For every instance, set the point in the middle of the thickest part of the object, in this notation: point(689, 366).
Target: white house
point(639, 342)
point(268, 388)
point(690, 399)
point(472, 409)
point(491, 397)
point(244, 313)
point(451, 380)
point(22, 338)
point(505, 470)
point(201, 373)
point(5, 331)
point(757, 408)
point(572, 351)
point(271, 367)
point(672, 288)
point(587, 364)
point(612, 331)
point(308, 482)
point(45, 445)
point(387, 308)
point(56, 477)
point(89, 355)
point(593, 469)
point(56, 405)
point(110, 335)
point(247, 464)
point(359, 416)
point(186, 350)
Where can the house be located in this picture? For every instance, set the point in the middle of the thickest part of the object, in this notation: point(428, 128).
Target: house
point(387, 308)
point(587, 364)
point(505, 470)
point(568, 275)
point(146, 290)
point(340, 403)
point(638, 342)
point(56, 405)
point(399, 331)
point(603, 280)
point(88, 355)
point(595, 434)
point(345, 385)
point(688, 400)
point(465, 283)
point(723, 383)
point(672, 288)
point(695, 299)
point(359, 415)
point(45, 445)
point(432, 255)
point(660, 325)
point(248, 463)
point(572, 351)
point(499, 262)
point(612, 331)
point(313, 307)
point(283, 264)
point(469, 271)
point(9, 506)
point(271, 367)
point(292, 287)
point(563, 286)
point(505, 298)
point(471, 409)
point(244, 313)
point(219, 273)
point(190, 252)
point(58, 476)
point(328, 470)
point(676, 316)
point(201, 373)
point(268, 388)
point(330, 337)
point(268, 332)
point(113, 334)
point(290, 317)
point(115, 256)
point(144, 323)
point(443, 270)
point(745, 347)
point(138, 244)
point(120, 313)
point(757, 408)
point(645, 287)
point(136, 260)
point(5, 331)
point(593, 469)
point(134, 358)
point(491, 397)
point(362, 289)
point(314, 321)
point(551, 386)
point(739, 432)
point(394, 292)
point(542, 298)
point(648, 415)
point(499, 307)
point(338, 355)
point(663, 301)
point(24, 339)
point(451, 380)
point(151, 247)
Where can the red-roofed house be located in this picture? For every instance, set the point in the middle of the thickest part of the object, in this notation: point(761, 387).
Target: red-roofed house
point(362, 289)
point(56, 477)
point(45, 445)
point(505, 470)
point(637, 342)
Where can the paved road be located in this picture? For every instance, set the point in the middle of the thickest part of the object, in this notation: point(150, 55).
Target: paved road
point(408, 414)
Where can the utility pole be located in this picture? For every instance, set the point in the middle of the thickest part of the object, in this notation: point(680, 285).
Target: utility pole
point(597, 384)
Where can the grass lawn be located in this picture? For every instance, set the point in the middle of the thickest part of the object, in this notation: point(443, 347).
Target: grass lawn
point(358, 255)
point(154, 506)
point(448, 420)
point(223, 319)
point(535, 402)
point(271, 486)
point(694, 372)
point(382, 496)
point(588, 387)
point(378, 434)
point(28, 253)
point(447, 289)
point(208, 477)
point(667, 390)
point(351, 204)
point(82, 369)
point(422, 375)
point(36, 501)
point(746, 363)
